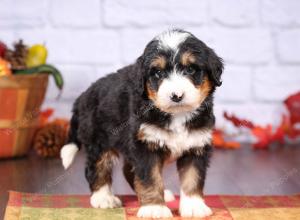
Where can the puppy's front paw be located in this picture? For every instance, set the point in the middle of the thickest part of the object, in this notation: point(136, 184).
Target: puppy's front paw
point(193, 206)
point(154, 211)
point(104, 199)
point(110, 201)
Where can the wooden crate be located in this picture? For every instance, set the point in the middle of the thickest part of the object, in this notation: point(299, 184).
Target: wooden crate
point(21, 97)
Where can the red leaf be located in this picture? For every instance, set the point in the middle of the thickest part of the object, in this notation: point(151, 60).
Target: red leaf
point(263, 136)
point(237, 122)
point(293, 133)
point(281, 130)
point(45, 115)
point(279, 135)
point(287, 128)
point(220, 142)
point(293, 105)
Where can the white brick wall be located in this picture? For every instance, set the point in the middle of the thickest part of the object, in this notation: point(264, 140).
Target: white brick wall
point(288, 45)
point(228, 14)
point(73, 13)
point(280, 12)
point(258, 39)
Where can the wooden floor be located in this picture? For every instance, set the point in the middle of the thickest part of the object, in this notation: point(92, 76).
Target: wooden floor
point(244, 171)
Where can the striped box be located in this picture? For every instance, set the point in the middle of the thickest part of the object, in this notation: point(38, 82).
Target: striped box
point(21, 97)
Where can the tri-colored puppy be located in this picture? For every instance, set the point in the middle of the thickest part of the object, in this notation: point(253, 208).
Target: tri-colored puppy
point(157, 110)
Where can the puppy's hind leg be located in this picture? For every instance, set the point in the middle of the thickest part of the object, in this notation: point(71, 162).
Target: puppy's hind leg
point(99, 176)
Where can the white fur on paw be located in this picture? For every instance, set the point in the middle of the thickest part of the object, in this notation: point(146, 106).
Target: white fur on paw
point(154, 211)
point(193, 206)
point(104, 199)
point(110, 201)
point(168, 195)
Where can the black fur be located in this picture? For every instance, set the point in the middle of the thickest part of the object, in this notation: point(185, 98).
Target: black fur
point(109, 113)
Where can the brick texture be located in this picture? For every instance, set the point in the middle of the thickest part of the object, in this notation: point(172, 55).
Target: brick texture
point(288, 46)
point(22, 14)
point(235, 13)
point(75, 13)
point(280, 12)
point(258, 40)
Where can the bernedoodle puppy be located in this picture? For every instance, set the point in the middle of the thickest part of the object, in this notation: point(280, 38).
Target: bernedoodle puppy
point(155, 111)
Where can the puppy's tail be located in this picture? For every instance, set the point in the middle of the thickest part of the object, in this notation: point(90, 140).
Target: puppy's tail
point(69, 151)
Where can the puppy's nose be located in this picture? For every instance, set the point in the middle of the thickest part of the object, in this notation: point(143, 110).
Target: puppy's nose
point(176, 98)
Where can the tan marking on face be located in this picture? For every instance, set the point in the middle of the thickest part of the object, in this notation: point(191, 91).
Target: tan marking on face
point(187, 58)
point(159, 62)
point(204, 89)
point(151, 193)
point(104, 166)
point(152, 94)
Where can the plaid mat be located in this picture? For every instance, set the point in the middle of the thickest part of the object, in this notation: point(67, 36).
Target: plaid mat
point(25, 206)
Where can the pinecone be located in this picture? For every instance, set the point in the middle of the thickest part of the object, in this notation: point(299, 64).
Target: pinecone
point(49, 140)
point(17, 57)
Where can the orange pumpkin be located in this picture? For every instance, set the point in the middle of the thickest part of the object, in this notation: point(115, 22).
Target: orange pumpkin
point(4, 68)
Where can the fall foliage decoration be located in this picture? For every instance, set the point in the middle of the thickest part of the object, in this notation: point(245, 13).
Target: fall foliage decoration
point(293, 105)
point(27, 60)
point(17, 56)
point(26, 86)
point(45, 115)
point(4, 68)
point(51, 136)
point(266, 135)
point(49, 140)
point(220, 142)
point(37, 55)
point(237, 121)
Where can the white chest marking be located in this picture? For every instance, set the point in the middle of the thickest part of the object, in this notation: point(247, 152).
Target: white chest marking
point(176, 137)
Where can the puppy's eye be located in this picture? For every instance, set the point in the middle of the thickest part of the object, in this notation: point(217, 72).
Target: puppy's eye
point(157, 74)
point(190, 70)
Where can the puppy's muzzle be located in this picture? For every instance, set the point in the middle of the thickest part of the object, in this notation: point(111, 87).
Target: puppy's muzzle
point(177, 98)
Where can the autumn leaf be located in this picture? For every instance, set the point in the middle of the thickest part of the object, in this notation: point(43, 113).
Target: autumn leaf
point(263, 136)
point(220, 142)
point(293, 105)
point(237, 122)
point(45, 115)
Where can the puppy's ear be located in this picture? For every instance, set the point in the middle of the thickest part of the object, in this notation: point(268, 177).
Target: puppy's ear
point(216, 67)
point(139, 80)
